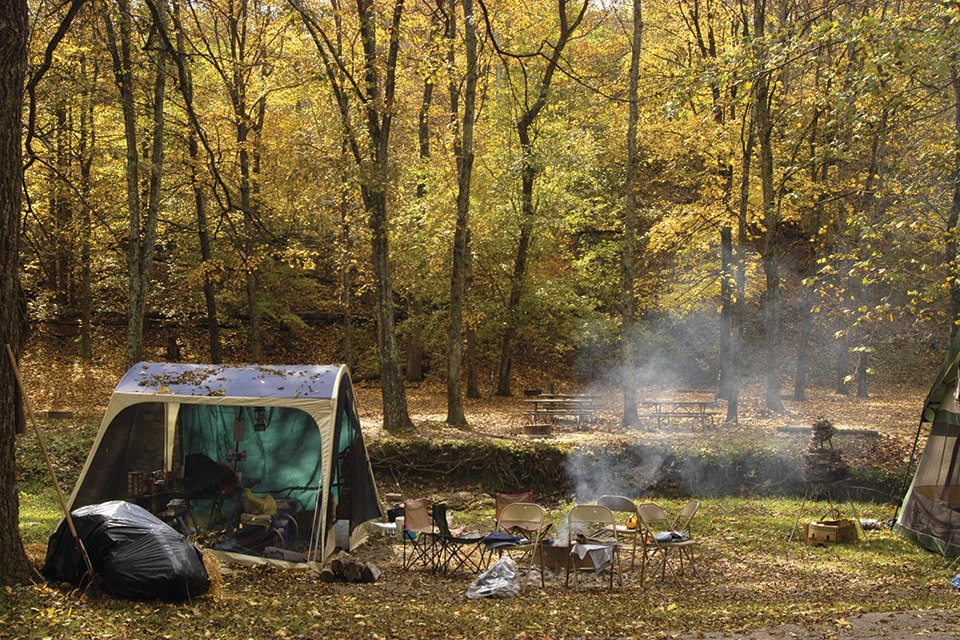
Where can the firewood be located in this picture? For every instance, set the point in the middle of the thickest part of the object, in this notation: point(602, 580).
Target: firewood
point(371, 573)
point(353, 572)
point(338, 563)
point(327, 575)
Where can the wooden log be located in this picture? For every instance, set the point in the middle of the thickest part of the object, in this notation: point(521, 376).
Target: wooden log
point(338, 563)
point(370, 573)
point(327, 575)
point(353, 572)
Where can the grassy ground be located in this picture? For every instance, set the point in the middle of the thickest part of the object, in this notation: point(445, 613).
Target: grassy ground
point(754, 576)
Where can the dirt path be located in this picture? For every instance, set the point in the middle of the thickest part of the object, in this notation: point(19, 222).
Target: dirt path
point(935, 624)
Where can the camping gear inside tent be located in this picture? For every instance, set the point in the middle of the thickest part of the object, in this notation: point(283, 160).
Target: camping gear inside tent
point(930, 512)
point(271, 456)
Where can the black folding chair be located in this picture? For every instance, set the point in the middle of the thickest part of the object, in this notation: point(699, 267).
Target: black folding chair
point(457, 551)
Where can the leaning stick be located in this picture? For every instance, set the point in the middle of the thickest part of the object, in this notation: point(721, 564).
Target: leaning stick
point(53, 475)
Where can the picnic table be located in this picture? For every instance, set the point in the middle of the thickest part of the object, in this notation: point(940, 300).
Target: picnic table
point(663, 411)
point(547, 406)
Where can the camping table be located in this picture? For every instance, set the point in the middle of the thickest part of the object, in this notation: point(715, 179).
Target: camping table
point(697, 410)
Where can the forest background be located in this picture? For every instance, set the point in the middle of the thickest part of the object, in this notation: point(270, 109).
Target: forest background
point(387, 175)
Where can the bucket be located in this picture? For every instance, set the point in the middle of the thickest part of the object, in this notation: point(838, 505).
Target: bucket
point(341, 534)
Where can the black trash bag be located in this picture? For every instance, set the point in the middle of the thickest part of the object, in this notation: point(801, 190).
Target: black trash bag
point(133, 553)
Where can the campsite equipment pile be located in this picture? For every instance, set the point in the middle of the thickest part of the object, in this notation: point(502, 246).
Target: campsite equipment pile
point(822, 463)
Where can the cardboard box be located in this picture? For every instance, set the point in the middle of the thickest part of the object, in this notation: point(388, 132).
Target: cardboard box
point(830, 532)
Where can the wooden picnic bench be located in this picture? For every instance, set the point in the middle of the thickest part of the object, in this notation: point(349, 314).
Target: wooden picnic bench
point(546, 406)
point(663, 411)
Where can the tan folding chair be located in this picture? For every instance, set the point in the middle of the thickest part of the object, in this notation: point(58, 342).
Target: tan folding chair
point(591, 529)
point(630, 528)
point(682, 523)
point(420, 533)
point(501, 500)
point(525, 521)
point(661, 539)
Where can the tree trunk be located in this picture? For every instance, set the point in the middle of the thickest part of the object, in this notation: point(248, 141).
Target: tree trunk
point(953, 220)
point(141, 233)
point(370, 151)
point(769, 253)
point(395, 416)
point(249, 245)
point(528, 174)
point(529, 170)
point(628, 295)
point(414, 368)
point(739, 307)
point(86, 149)
point(14, 32)
point(200, 203)
point(727, 284)
point(63, 214)
point(346, 277)
point(461, 257)
point(473, 376)
point(862, 374)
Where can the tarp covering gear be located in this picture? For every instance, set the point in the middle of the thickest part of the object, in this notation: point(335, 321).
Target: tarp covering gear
point(204, 433)
point(930, 512)
point(135, 554)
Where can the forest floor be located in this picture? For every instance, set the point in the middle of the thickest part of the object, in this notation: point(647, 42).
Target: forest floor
point(758, 584)
point(889, 412)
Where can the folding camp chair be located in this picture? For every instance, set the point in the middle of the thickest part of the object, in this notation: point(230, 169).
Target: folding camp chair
point(456, 550)
point(591, 532)
point(661, 539)
point(420, 533)
point(501, 500)
point(630, 528)
point(525, 523)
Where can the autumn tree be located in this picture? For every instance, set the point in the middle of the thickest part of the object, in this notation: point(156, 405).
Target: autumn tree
point(630, 415)
point(374, 88)
point(142, 216)
point(14, 34)
point(529, 85)
point(464, 152)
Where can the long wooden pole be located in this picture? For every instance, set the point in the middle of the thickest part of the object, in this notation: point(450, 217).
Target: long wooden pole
point(53, 475)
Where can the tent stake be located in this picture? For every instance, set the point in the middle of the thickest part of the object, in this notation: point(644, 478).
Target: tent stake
point(53, 475)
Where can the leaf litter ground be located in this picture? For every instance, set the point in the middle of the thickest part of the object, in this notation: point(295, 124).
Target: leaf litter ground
point(754, 577)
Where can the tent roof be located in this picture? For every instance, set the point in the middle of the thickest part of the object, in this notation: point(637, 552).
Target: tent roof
point(948, 371)
point(231, 381)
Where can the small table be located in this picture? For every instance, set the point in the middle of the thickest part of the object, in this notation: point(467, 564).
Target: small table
point(697, 410)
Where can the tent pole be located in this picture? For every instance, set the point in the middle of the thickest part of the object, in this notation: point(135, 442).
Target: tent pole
point(53, 475)
point(799, 513)
point(906, 475)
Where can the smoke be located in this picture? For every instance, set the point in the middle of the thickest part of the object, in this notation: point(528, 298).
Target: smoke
point(626, 472)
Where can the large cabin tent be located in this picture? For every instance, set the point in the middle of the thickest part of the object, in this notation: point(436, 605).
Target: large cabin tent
point(289, 431)
point(930, 511)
